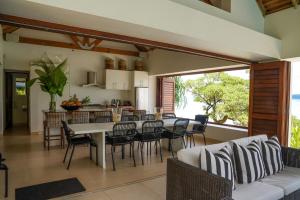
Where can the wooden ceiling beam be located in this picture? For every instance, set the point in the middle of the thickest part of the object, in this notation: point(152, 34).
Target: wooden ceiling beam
point(278, 4)
point(71, 30)
point(85, 43)
point(9, 29)
point(52, 43)
point(75, 40)
point(278, 9)
point(141, 48)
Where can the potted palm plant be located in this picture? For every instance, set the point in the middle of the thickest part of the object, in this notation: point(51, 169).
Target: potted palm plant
point(51, 77)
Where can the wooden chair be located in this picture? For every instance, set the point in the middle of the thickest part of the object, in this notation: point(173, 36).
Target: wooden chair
point(53, 121)
point(168, 115)
point(126, 112)
point(80, 117)
point(129, 118)
point(148, 117)
point(103, 116)
point(139, 113)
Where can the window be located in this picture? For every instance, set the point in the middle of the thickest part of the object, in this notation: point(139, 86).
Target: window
point(224, 96)
point(20, 86)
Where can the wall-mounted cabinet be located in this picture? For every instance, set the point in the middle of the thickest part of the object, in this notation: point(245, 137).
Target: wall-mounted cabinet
point(118, 80)
point(140, 79)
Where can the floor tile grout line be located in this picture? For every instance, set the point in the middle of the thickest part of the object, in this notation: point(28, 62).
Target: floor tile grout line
point(114, 187)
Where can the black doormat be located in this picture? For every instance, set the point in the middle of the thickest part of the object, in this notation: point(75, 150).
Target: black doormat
point(50, 190)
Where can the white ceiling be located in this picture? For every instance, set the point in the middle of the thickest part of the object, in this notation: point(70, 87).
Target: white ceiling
point(209, 34)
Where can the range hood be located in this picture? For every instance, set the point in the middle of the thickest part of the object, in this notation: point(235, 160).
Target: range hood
point(91, 80)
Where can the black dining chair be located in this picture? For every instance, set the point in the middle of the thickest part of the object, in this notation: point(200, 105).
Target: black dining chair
point(76, 140)
point(198, 128)
point(151, 132)
point(130, 118)
point(168, 115)
point(123, 134)
point(178, 131)
point(148, 117)
point(5, 169)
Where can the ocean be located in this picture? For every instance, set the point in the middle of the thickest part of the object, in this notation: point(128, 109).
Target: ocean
point(295, 107)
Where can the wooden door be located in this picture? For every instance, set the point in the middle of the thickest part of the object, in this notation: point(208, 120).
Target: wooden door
point(166, 94)
point(269, 99)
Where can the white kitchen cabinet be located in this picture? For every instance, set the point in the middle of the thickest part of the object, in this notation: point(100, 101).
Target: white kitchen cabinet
point(140, 79)
point(118, 79)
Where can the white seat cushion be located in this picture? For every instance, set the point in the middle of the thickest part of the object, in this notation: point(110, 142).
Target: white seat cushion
point(191, 155)
point(288, 180)
point(257, 191)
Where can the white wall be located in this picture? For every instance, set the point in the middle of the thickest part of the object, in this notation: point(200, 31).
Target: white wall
point(1, 83)
point(161, 62)
point(18, 56)
point(285, 25)
point(223, 133)
point(243, 12)
point(158, 20)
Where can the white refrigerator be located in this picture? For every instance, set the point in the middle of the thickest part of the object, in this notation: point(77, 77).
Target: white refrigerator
point(141, 98)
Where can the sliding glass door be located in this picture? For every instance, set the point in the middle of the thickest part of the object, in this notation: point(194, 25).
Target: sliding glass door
point(295, 106)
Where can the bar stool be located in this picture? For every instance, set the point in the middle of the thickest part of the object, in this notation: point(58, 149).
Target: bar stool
point(103, 116)
point(80, 117)
point(53, 121)
point(139, 113)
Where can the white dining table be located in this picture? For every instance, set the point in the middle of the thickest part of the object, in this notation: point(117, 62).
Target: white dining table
point(98, 130)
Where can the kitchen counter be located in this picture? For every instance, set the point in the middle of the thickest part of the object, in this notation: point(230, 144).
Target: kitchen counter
point(92, 109)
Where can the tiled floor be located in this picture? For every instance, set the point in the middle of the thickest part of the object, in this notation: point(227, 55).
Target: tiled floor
point(30, 164)
point(152, 189)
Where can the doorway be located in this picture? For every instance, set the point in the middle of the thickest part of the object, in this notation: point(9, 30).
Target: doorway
point(16, 100)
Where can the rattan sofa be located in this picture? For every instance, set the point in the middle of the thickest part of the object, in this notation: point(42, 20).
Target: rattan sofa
point(185, 181)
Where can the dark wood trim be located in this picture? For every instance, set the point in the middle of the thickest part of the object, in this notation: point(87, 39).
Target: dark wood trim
point(52, 43)
point(277, 112)
point(9, 29)
point(71, 30)
point(27, 73)
point(208, 71)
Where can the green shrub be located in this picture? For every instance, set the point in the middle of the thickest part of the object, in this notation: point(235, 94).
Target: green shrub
point(295, 137)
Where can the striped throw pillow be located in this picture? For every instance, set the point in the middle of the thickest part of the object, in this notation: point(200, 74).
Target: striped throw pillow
point(218, 163)
point(249, 164)
point(271, 151)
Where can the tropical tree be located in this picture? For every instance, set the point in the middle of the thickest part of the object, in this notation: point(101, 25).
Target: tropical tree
point(180, 92)
point(224, 97)
point(295, 137)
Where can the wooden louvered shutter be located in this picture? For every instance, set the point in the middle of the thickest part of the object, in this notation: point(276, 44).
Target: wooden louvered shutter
point(166, 94)
point(269, 100)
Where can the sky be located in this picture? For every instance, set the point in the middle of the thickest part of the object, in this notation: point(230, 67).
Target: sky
point(296, 77)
